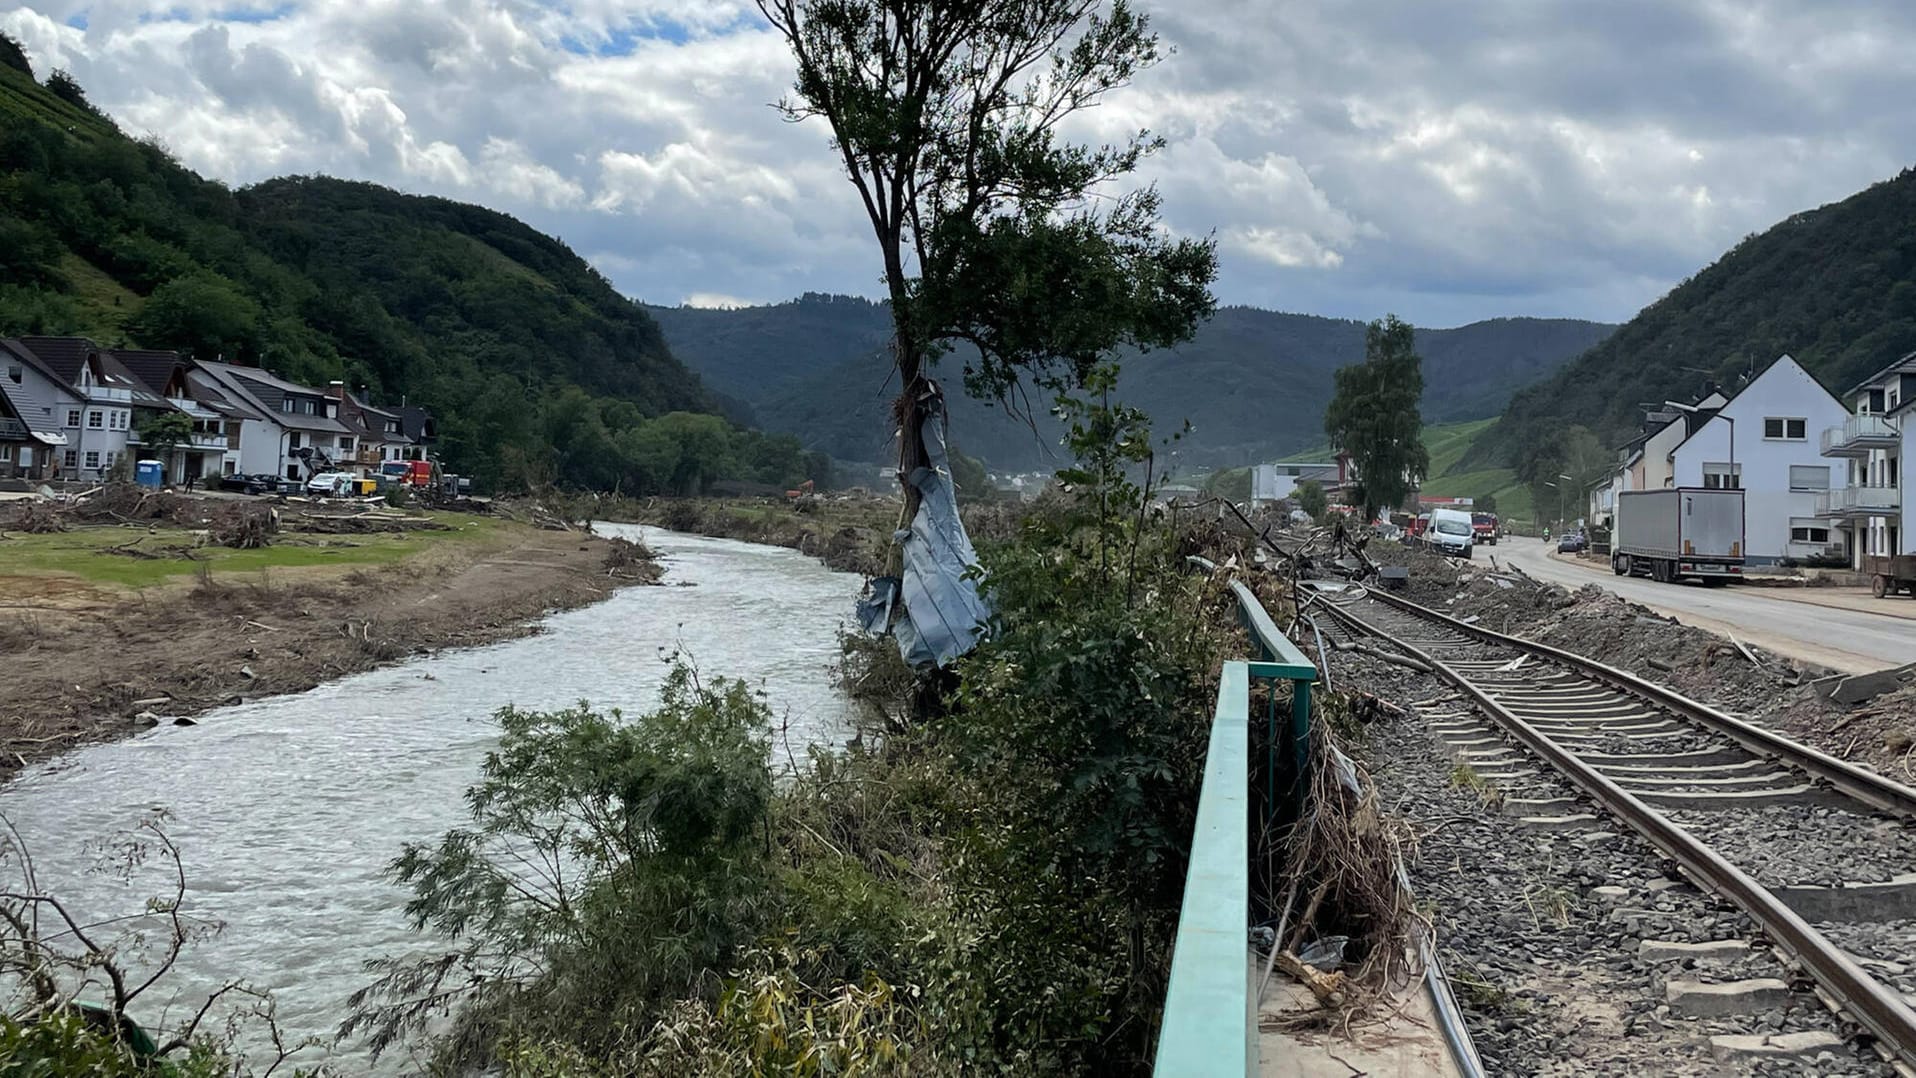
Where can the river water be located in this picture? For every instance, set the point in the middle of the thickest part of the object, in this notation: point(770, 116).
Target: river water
point(286, 810)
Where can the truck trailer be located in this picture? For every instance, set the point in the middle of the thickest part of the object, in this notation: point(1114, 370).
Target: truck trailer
point(1677, 533)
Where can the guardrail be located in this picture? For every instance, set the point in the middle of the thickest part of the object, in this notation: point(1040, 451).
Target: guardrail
point(1209, 1003)
point(12, 426)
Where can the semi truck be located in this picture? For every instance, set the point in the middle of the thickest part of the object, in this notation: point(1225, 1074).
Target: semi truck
point(1679, 533)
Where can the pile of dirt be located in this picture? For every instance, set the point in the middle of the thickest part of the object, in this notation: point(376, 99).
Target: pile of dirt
point(33, 518)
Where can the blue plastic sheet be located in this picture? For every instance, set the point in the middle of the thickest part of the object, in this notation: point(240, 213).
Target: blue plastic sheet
point(943, 615)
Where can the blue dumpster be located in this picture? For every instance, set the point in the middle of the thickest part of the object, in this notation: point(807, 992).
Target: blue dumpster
point(149, 473)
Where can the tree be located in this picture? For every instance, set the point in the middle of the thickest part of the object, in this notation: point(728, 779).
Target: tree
point(1311, 499)
point(1558, 468)
point(162, 431)
point(969, 475)
point(204, 315)
point(1373, 415)
point(1485, 503)
point(946, 117)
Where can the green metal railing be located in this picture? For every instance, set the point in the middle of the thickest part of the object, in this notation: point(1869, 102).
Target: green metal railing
point(1211, 1001)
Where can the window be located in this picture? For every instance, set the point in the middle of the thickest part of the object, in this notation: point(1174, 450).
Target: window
point(1783, 428)
point(71, 458)
point(73, 417)
point(96, 419)
point(16, 374)
point(345, 443)
point(1722, 476)
point(1809, 531)
point(93, 459)
point(112, 457)
point(1809, 477)
point(6, 453)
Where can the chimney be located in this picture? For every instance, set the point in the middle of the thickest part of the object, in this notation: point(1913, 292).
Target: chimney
point(336, 389)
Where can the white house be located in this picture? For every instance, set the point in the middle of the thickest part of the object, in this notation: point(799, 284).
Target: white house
point(1867, 454)
point(1275, 482)
point(1766, 440)
point(297, 434)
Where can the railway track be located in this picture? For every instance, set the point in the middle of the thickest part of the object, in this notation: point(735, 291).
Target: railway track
point(1650, 756)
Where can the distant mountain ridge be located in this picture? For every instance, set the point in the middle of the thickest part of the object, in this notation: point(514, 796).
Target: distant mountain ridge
point(1254, 383)
point(1835, 287)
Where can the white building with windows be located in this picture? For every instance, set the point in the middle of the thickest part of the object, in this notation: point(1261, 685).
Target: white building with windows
point(1767, 440)
point(1866, 451)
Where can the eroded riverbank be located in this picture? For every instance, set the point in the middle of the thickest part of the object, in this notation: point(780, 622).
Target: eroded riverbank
point(83, 657)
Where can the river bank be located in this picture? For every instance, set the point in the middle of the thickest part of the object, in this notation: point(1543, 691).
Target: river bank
point(97, 645)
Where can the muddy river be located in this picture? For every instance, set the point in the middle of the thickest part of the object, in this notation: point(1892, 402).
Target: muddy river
point(287, 810)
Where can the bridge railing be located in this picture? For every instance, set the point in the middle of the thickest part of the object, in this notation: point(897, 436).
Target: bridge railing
point(1210, 1006)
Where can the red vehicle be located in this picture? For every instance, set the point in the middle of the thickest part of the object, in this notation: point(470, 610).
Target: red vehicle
point(1484, 528)
point(1418, 525)
point(412, 473)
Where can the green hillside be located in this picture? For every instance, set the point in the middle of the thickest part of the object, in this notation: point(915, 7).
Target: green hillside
point(1253, 383)
point(538, 369)
point(1451, 476)
point(1835, 287)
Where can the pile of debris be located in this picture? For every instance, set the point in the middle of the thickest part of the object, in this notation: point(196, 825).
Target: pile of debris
point(243, 526)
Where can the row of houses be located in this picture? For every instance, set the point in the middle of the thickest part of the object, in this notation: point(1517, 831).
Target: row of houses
point(1821, 475)
point(72, 410)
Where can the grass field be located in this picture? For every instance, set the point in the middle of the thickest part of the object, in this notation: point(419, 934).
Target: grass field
point(82, 552)
point(1446, 443)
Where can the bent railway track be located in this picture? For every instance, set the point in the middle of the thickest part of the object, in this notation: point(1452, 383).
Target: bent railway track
point(1574, 713)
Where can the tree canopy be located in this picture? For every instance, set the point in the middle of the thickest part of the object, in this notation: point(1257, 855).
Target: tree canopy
point(1311, 498)
point(1374, 416)
point(946, 118)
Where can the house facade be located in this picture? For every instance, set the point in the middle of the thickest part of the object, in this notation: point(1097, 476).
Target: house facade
point(1865, 449)
point(95, 400)
point(34, 405)
point(297, 435)
point(1766, 440)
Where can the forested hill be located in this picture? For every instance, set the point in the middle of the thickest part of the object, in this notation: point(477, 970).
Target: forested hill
point(1253, 383)
point(536, 366)
point(1834, 287)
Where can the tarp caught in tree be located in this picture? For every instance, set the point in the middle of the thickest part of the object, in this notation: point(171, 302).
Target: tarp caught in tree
point(943, 615)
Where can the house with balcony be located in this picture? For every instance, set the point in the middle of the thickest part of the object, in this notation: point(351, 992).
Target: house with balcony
point(1866, 450)
point(214, 436)
point(1765, 441)
point(295, 432)
point(381, 432)
point(99, 426)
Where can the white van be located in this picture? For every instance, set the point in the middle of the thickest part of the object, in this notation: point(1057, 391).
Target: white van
point(1450, 532)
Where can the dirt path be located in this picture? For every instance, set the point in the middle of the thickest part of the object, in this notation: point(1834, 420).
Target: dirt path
point(80, 661)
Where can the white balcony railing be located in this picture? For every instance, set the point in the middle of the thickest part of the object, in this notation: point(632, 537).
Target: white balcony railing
point(1859, 501)
point(13, 428)
point(1858, 435)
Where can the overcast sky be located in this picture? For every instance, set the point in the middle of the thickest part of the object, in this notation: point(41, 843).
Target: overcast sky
point(1445, 161)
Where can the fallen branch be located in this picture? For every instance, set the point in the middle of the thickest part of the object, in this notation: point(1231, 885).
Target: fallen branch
point(1388, 656)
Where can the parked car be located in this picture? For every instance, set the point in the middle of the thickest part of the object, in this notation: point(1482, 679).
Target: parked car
point(250, 484)
point(1572, 543)
point(331, 484)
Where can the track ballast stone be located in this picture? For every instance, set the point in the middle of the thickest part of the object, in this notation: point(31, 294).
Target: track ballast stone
point(1546, 966)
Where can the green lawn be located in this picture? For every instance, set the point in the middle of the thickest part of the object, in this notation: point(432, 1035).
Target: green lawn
point(1446, 443)
point(81, 552)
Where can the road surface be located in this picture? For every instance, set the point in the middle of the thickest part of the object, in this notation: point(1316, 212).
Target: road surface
point(1834, 630)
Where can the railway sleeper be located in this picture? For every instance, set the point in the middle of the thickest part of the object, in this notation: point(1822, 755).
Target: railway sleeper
point(1698, 757)
point(1856, 902)
point(1705, 999)
point(1741, 800)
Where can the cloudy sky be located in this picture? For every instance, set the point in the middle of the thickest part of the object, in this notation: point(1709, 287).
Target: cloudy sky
point(1444, 161)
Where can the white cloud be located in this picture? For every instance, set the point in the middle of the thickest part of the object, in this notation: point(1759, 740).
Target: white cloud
point(1351, 156)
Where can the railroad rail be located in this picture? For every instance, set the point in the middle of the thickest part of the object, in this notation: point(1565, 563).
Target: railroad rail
point(1572, 712)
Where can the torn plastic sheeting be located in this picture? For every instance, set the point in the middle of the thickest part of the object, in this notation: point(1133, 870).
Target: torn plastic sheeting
point(944, 614)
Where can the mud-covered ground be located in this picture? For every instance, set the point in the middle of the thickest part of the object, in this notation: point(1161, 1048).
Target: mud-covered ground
point(83, 660)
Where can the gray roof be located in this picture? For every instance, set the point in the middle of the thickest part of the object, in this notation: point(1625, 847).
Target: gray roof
point(1904, 365)
point(30, 411)
point(263, 392)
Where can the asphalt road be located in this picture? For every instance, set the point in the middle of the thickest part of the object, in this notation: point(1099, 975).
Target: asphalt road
point(1844, 639)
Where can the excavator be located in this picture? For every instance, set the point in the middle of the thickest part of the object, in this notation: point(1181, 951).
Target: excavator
point(801, 498)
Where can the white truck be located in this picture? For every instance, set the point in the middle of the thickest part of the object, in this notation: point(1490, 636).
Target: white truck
point(1677, 533)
